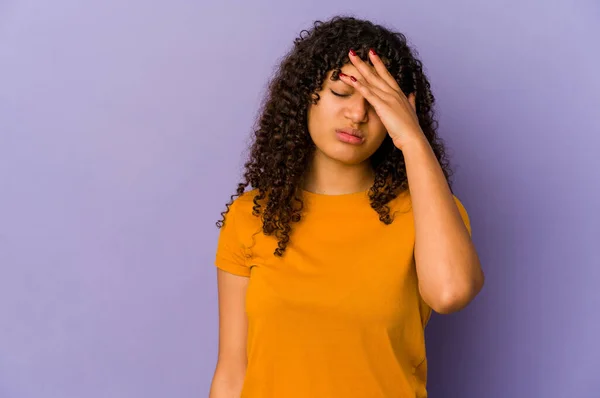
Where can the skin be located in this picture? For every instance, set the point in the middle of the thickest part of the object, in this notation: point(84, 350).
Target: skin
point(339, 167)
point(233, 328)
point(448, 267)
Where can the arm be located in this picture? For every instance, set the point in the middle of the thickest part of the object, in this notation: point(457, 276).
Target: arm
point(448, 266)
point(231, 363)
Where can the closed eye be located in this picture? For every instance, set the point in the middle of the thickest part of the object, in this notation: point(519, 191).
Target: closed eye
point(338, 94)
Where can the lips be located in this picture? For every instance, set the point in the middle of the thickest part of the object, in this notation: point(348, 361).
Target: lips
point(352, 132)
point(350, 136)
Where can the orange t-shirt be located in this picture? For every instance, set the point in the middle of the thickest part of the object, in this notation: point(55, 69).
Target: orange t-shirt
point(340, 314)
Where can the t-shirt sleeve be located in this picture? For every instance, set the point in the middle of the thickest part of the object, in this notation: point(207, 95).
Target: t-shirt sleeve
point(230, 255)
point(463, 214)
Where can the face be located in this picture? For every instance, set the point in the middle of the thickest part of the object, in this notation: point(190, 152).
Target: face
point(343, 124)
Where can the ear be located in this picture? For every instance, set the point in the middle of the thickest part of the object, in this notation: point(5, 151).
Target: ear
point(412, 100)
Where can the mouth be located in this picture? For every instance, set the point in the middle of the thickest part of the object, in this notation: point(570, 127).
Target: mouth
point(350, 136)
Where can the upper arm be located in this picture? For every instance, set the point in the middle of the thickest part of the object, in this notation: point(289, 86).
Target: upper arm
point(232, 282)
point(231, 255)
point(233, 322)
point(230, 371)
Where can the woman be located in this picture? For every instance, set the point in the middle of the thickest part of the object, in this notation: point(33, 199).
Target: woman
point(329, 268)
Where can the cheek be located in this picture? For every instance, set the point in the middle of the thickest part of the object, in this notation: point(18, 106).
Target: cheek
point(375, 121)
point(322, 117)
point(377, 128)
point(326, 109)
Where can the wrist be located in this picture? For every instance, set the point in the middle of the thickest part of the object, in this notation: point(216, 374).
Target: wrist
point(418, 143)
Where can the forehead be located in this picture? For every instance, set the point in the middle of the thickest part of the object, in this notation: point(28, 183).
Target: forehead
point(348, 69)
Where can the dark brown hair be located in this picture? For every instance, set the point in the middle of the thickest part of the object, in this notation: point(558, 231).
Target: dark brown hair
point(282, 147)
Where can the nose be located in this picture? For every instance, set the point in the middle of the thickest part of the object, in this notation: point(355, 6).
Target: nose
point(358, 109)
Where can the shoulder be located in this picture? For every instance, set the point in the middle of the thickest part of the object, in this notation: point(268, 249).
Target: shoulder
point(405, 199)
point(244, 202)
point(403, 204)
point(241, 210)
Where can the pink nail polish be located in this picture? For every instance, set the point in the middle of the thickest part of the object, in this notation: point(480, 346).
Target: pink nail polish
point(352, 78)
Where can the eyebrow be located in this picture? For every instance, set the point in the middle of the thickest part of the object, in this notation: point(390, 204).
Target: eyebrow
point(337, 80)
point(339, 85)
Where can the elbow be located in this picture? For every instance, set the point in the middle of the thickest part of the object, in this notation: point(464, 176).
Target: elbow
point(454, 298)
point(449, 303)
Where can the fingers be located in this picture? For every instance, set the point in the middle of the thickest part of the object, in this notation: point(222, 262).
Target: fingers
point(373, 94)
point(370, 74)
point(379, 78)
point(382, 71)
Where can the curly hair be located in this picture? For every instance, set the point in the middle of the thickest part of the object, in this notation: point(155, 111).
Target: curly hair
point(282, 147)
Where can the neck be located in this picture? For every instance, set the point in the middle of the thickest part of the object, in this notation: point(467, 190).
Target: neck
point(330, 177)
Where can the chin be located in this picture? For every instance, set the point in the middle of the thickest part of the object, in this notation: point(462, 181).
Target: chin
point(347, 155)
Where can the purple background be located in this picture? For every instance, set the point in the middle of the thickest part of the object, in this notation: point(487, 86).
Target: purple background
point(121, 129)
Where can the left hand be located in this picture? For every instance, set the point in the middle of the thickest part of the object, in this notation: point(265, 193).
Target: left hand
point(396, 111)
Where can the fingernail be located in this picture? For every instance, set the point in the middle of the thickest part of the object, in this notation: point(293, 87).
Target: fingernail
point(352, 78)
point(342, 74)
point(352, 52)
point(372, 51)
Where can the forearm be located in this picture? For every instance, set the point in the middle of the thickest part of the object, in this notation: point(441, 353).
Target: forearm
point(447, 263)
point(226, 384)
